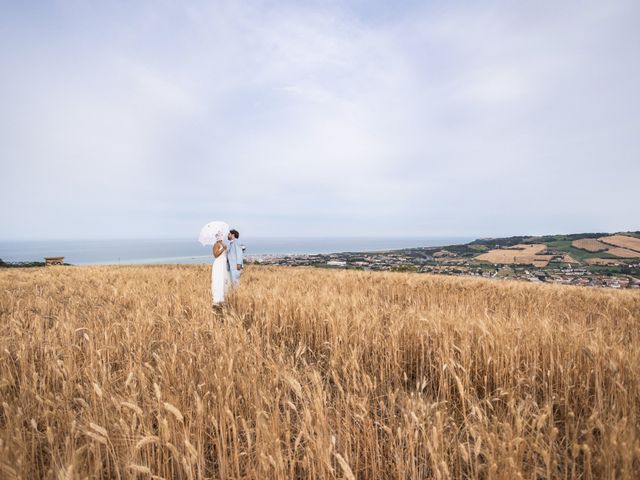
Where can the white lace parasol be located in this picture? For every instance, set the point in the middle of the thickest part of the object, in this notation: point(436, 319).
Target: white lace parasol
point(212, 232)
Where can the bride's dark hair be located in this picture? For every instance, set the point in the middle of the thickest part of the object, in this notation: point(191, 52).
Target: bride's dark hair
point(235, 233)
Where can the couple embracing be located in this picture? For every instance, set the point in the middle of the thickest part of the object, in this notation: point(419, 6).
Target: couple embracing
point(227, 266)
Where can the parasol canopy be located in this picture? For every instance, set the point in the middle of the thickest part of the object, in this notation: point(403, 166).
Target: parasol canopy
point(212, 232)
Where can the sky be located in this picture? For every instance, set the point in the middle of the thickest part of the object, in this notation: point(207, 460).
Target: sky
point(148, 119)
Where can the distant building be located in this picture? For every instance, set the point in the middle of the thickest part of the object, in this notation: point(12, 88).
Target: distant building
point(337, 263)
point(48, 261)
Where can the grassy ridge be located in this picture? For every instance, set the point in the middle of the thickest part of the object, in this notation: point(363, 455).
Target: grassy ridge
point(126, 372)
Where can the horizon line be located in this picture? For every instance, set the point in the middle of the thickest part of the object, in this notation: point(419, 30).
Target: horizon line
point(310, 237)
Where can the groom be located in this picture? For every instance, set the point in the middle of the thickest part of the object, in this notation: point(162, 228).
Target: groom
point(234, 258)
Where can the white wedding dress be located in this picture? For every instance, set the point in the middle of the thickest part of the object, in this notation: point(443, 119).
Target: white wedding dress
point(220, 278)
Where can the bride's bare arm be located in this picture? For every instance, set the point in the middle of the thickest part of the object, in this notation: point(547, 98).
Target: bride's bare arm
point(218, 248)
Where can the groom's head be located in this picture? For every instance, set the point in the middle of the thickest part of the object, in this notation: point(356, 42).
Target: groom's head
point(233, 235)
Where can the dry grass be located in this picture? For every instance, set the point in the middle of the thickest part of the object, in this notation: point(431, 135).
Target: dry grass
point(623, 241)
point(110, 372)
point(623, 245)
point(623, 252)
point(519, 254)
point(590, 245)
point(604, 261)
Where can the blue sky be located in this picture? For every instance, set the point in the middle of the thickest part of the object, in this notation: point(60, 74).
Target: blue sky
point(148, 119)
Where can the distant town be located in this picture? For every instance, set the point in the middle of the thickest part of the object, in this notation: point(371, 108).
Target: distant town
point(588, 259)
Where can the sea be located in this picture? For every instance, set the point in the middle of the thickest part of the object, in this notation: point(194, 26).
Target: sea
point(190, 251)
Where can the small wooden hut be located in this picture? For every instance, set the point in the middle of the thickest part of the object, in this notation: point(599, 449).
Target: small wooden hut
point(48, 261)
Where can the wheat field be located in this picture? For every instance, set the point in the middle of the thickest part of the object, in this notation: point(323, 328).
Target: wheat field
point(522, 254)
point(590, 245)
point(126, 372)
point(623, 241)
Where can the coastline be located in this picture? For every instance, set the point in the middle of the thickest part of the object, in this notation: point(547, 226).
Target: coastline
point(152, 251)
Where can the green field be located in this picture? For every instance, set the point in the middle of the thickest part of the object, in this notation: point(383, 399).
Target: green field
point(561, 243)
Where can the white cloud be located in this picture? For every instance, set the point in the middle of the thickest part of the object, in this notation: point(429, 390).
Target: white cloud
point(447, 119)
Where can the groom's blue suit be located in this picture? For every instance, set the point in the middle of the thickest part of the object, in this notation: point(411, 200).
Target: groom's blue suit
point(234, 257)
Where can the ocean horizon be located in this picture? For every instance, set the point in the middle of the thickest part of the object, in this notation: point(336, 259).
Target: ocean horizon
point(188, 251)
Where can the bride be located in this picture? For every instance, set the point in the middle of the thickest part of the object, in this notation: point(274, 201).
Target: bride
point(219, 273)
